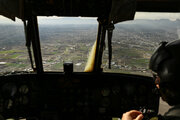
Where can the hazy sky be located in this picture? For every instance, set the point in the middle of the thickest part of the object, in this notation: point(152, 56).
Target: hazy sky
point(61, 20)
point(144, 15)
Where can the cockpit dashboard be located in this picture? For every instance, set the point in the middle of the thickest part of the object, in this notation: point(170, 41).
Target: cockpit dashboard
point(79, 96)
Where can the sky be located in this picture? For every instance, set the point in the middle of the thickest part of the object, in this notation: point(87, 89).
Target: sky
point(81, 20)
point(170, 16)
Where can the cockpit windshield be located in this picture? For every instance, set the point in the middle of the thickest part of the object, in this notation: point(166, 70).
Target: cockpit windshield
point(70, 39)
point(135, 41)
point(66, 40)
point(13, 52)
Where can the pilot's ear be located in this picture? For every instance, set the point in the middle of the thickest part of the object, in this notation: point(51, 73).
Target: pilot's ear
point(157, 85)
point(157, 81)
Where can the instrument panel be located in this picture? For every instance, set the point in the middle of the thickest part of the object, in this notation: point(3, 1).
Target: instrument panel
point(76, 95)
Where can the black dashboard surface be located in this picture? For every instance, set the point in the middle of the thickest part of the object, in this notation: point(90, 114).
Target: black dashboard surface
point(76, 96)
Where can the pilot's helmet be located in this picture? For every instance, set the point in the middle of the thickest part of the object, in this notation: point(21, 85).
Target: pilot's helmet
point(165, 62)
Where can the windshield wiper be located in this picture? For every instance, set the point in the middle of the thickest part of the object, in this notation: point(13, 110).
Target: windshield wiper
point(102, 29)
point(32, 36)
point(110, 29)
point(28, 45)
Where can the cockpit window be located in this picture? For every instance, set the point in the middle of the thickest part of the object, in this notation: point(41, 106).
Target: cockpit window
point(70, 39)
point(134, 42)
point(66, 40)
point(13, 53)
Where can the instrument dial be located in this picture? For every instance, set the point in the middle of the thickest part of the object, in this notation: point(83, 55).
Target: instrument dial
point(9, 89)
point(116, 90)
point(23, 100)
point(105, 92)
point(23, 89)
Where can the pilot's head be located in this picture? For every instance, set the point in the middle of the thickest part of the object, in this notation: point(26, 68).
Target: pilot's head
point(165, 65)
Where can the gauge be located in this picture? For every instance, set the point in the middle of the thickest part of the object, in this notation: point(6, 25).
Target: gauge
point(9, 89)
point(8, 104)
point(23, 89)
point(23, 100)
point(105, 92)
point(116, 90)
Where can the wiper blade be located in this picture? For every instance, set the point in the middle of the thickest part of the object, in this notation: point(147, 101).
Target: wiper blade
point(28, 45)
point(110, 29)
point(103, 27)
point(32, 34)
point(100, 47)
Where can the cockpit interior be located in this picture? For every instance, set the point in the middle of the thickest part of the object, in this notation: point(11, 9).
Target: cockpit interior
point(93, 94)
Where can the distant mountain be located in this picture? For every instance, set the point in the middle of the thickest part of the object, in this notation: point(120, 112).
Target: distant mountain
point(81, 32)
point(140, 24)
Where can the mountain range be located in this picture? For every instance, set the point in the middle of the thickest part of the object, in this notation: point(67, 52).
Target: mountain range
point(14, 34)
